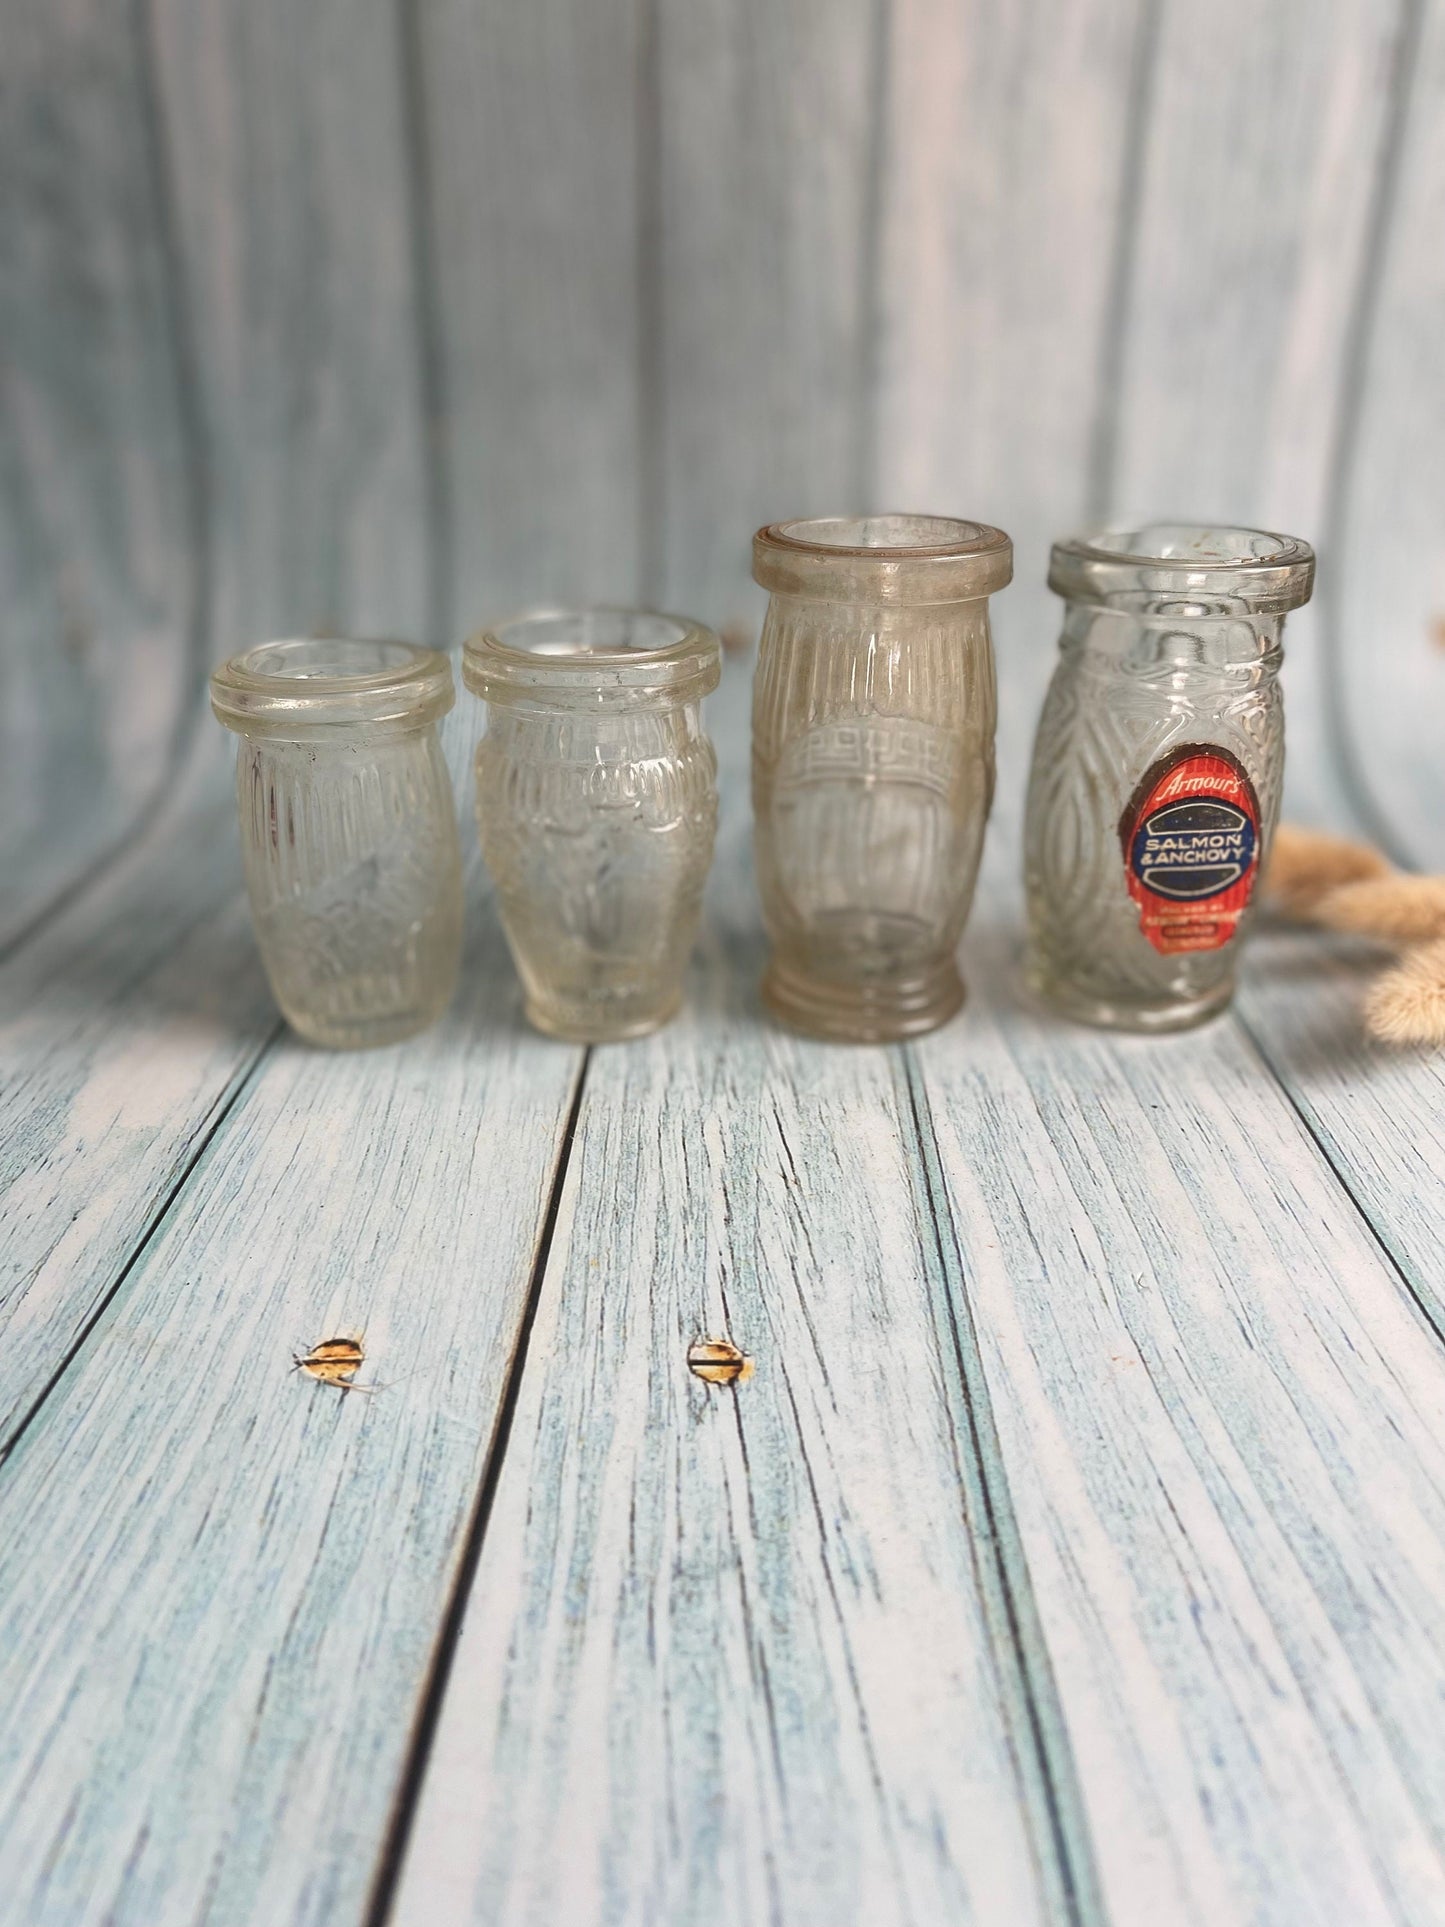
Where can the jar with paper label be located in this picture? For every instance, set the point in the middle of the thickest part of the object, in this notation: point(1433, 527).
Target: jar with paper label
point(1157, 768)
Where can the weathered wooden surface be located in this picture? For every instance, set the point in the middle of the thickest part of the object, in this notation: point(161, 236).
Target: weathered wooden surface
point(126, 1025)
point(1074, 1552)
point(738, 1653)
point(1218, 1406)
point(153, 1768)
point(1379, 1112)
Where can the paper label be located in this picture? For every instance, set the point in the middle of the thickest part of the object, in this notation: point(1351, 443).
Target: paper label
point(1190, 839)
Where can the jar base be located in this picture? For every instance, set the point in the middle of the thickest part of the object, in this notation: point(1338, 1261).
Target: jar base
point(1142, 1015)
point(883, 1010)
point(592, 1027)
point(366, 1033)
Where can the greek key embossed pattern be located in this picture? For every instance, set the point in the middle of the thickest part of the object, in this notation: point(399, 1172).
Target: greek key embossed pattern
point(873, 773)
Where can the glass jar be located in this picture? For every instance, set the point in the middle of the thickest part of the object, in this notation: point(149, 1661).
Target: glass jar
point(873, 764)
point(1157, 768)
point(348, 832)
point(597, 807)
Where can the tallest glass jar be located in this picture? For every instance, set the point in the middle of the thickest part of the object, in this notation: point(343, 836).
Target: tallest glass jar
point(1157, 768)
point(873, 763)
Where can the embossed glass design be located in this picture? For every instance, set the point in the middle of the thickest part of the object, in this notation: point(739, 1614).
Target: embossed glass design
point(597, 808)
point(873, 764)
point(1157, 768)
point(348, 832)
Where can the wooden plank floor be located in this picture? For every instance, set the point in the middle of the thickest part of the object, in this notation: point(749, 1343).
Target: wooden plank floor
point(1074, 1551)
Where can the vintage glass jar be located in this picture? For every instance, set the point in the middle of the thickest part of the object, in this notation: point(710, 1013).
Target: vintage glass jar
point(1157, 768)
point(348, 832)
point(597, 807)
point(873, 763)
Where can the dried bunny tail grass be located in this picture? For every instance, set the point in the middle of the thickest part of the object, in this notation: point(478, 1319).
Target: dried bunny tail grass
point(1407, 1004)
point(1304, 864)
point(1400, 909)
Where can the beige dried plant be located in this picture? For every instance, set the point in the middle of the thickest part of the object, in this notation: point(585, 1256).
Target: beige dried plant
point(1350, 887)
point(1396, 909)
point(1306, 864)
point(1407, 1004)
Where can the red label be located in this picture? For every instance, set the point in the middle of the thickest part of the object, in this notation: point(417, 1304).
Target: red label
point(1191, 848)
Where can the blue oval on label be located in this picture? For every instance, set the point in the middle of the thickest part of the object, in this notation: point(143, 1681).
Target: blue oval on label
point(1191, 850)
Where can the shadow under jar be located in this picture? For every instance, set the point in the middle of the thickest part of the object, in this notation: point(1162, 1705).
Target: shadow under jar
point(348, 832)
point(597, 809)
point(1157, 768)
point(873, 764)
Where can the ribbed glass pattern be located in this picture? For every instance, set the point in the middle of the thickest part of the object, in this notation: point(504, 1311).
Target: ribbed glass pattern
point(355, 881)
point(873, 733)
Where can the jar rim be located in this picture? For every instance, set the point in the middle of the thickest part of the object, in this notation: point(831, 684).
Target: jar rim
point(891, 557)
point(1258, 569)
point(301, 683)
point(596, 654)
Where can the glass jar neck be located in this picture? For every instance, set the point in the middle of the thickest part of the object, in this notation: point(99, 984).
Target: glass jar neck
point(598, 734)
point(338, 738)
point(1164, 632)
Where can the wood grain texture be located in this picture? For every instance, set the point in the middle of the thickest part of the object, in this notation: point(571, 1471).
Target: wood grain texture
point(1386, 581)
point(1258, 158)
point(728, 1656)
point(124, 1027)
point(222, 1582)
point(1253, 256)
point(100, 526)
point(762, 280)
point(289, 151)
point(532, 154)
point(1377, 1110)
point(1075, 1550)
point(1219, 1413)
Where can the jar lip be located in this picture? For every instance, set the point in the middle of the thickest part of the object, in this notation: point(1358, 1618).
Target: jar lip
point(302, 683)
point(593, 653)
point(891, 557)
point(1257, 569)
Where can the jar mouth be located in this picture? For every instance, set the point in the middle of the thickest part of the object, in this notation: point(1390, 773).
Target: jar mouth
point(885, 558)
point(308, 683)
point(1252, 569)
point(593, 654)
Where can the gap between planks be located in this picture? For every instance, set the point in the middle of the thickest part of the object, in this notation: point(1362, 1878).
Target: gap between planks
point(225, 1104)
point(1045, 1758)
point(1430, 1307)
point(1056, 1821)
point(429, 1706)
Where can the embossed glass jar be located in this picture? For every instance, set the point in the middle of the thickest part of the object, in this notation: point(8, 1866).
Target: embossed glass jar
point(597, 807)
point(1157, 768)
point(348, 832)
point(873, 763)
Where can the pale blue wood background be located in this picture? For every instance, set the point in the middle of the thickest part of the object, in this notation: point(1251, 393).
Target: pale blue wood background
point(393, 314)
point(1075, 1553)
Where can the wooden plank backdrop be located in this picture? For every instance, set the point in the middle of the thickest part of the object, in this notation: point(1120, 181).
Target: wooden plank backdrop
point(104, 530)
point(1075, 1552)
